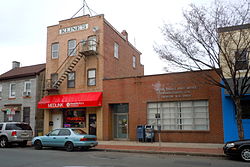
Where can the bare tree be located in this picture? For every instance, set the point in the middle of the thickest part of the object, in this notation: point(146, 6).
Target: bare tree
point(217, 38)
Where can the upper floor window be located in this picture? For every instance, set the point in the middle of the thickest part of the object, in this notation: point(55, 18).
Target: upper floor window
point(71, 80)
point(116, 50)
point(92, 43)
point(92, 77)
point(134, 61)
point(12, 93)
point(241, 59)
point(1, 90)
point(71, 47)
point(55, 50)
point(54, 78)
point(27, 88)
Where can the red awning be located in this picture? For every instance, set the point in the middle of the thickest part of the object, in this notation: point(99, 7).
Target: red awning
point(92, 99)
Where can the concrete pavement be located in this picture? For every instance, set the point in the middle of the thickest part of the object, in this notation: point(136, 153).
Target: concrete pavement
point(199, 149)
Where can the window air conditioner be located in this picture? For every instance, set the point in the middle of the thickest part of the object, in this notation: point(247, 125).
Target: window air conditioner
point(26, 93)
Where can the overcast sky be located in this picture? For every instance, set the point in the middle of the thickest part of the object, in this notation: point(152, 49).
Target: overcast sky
point(23, 26)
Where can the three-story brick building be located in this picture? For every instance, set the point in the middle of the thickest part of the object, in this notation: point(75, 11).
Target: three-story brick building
point(81, 53)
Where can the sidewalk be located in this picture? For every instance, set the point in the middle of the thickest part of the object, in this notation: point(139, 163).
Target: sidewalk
point(199, 149)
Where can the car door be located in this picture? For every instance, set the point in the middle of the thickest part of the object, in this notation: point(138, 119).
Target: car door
point(63, 137)
point(51, 138)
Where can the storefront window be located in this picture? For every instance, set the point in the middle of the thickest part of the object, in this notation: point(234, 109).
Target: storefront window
point(74, 118)
point(181, 115)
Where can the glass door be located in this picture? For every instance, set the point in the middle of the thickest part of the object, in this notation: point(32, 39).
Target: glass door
point(120, 126)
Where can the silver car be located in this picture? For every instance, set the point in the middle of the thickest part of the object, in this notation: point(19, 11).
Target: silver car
point(15, 132)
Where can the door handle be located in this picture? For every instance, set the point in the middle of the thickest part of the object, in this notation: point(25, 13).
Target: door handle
point(54, 137)
point(66, 137)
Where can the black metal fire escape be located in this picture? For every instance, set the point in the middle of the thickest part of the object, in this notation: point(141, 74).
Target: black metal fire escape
point(83, 49)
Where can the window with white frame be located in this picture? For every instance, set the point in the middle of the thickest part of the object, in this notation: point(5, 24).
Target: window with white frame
point(12, 92)
point(71, 47)
point(1, 90)
point(91, 77)
point(71, 80)
point(92, 43)
point(27, 88)
point(54, 78)
point(55, 50)
point(181, 115)
point(134, 61)
point(116, 50)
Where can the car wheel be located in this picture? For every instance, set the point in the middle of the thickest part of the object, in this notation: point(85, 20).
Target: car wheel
point(245, 154)
point(69, 146)
point(3, 142)
point(38, 145)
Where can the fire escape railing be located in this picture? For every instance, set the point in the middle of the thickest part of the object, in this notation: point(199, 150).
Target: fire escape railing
point(83, 49)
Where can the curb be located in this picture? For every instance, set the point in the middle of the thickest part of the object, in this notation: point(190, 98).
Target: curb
point(161, 152)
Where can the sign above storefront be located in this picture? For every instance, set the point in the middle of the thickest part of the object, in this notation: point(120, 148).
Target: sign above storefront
point(90, 99)
point(73, 28)
point(173, 92)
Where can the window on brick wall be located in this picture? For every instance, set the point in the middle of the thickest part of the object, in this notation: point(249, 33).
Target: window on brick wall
point(116, 50)
point(71, 47)
point(92, 77)
point(54, 78)
point(12, 90)
point(181, 115)
point(55, 50)
point(71, 80)
point(92, 43)
point(134, 61)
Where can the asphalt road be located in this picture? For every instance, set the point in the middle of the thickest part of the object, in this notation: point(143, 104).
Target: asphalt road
point(28, 157)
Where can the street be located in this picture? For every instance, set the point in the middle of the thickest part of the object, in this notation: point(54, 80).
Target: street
point(28, 157)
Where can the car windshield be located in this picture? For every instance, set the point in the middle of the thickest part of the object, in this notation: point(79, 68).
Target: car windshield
point(79, 131)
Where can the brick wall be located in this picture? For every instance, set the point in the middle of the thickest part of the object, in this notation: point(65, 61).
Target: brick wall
point(105, 64)
point(138, 91)
point(83, 65)
point(122, 66)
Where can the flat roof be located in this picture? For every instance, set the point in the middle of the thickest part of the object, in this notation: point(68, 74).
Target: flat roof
point(233, 28)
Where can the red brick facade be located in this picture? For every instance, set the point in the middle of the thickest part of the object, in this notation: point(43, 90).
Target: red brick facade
point(103, 62)
point(138, 91)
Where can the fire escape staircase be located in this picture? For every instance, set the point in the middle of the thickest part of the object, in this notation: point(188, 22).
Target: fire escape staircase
point(83, 49)
point(67, 71)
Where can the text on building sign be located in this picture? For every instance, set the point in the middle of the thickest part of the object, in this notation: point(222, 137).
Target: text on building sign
point(73, 28)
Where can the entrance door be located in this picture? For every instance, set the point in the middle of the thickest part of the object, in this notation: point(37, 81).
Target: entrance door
point(120, 126)
point(57, 120)
point(92, 124)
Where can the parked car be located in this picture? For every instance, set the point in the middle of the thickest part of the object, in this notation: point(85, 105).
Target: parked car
point(69, 138)
point(15, 132)
point(239, 148)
